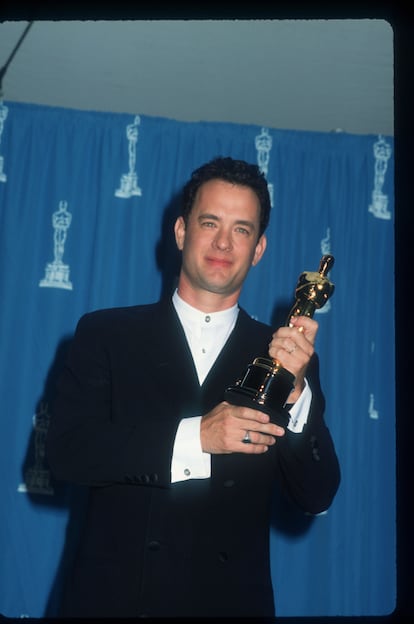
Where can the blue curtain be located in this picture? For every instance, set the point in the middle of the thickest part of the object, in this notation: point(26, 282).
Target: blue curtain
point(87, 202)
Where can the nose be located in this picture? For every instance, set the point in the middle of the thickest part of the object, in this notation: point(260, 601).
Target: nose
point(222, 240)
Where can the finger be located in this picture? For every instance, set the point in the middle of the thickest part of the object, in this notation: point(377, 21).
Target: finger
point(256, 442)
point(296, 333)
point(257, 436)
point(250, 414)
point(290, 339)
point(290, 351)
point(298, 346)
point(253, 449)
point(290, 345)
point(304, 325)
point(301, 321)
point(260, 439)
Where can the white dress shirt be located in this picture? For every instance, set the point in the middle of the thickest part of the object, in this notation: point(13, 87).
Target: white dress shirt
point(206, 335)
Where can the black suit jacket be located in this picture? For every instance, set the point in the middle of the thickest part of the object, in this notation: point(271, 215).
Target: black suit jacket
point(149, 547)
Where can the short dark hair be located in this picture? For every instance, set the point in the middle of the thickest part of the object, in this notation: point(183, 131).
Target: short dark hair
point(236, 172)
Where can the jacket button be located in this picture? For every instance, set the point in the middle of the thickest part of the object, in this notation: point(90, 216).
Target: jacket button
point(315, 448)
point(154, 545)
point(228, 483)
point(223, 557)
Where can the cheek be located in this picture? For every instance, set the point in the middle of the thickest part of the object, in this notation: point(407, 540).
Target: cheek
point(196, 241)
point(192, 245)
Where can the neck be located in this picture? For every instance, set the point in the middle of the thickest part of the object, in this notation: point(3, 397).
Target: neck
point(206, 301)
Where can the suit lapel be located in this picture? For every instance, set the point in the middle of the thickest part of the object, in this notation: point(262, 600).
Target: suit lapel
point(241, 347)
point(178, 376)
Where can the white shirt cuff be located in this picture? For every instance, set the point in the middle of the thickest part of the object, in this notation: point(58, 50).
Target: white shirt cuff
point(188, 460)
point(300, 410)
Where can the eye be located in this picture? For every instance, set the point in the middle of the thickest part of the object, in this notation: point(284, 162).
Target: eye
point(208, 224)
point(243, 230)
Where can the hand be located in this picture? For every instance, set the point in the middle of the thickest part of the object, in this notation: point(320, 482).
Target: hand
point(222, 430)
point(293, 347)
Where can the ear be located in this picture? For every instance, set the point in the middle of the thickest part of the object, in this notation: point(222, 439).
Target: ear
point(260, 249)
point(179, 231)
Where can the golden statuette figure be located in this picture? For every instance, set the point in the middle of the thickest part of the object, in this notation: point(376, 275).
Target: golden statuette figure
point(266, 384)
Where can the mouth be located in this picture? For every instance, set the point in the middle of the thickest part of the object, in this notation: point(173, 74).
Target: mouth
point(218, 262)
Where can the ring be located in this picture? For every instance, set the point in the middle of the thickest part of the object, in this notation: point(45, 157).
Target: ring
point(293, 348)
point(246, 438)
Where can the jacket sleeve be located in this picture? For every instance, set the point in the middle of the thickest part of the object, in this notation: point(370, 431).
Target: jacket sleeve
point(308, 465)
point(88, 442)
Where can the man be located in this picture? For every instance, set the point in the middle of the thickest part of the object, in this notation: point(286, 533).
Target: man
point(179, 505)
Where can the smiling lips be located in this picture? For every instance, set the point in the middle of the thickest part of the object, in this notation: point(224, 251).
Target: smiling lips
point(219, 262)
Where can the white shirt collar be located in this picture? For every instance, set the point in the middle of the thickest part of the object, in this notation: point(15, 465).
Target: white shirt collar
point(206, 333)
point(193, 316)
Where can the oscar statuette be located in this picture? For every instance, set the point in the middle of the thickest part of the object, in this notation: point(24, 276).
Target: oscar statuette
point(266, 384)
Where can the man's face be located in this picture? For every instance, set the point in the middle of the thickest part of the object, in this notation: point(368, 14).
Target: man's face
point(220, 242)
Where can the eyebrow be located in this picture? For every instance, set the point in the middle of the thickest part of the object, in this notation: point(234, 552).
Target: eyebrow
point(213, 217)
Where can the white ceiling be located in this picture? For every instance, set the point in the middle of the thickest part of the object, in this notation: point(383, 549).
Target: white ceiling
point(317, 75)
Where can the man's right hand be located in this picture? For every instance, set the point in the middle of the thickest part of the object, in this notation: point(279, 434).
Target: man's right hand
point(222, 430)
